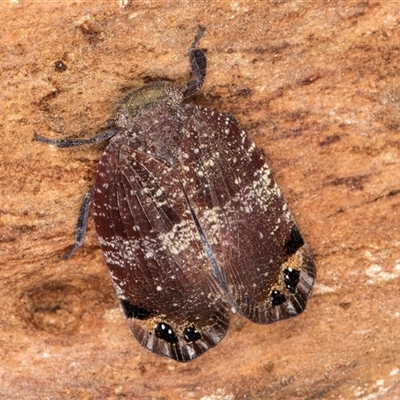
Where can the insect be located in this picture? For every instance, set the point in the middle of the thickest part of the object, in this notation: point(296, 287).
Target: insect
point(191, 222)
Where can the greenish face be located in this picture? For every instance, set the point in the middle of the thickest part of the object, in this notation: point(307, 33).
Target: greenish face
point(159, 92)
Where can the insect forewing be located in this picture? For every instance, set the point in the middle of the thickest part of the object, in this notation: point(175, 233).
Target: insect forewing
point(157, 262)
point(262, 258)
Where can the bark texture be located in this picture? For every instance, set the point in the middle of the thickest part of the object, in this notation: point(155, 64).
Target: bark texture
point(316, 86)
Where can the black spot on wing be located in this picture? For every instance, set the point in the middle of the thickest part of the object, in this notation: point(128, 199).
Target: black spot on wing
point(191, 334)
point(291, 277)
point(295, 241)
point(277, 298)
point(133, 311)
point(165, 332)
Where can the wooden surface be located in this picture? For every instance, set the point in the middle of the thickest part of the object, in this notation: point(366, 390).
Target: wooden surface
point(316, 84)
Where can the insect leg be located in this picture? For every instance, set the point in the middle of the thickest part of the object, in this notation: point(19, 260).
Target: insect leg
point(101, 137)
point(81, 224)
point(198, 63)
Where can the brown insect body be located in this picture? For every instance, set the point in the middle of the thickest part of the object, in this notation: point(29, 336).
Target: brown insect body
point(191, 222)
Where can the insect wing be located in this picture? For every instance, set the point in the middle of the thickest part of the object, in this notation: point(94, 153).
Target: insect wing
point(158, 265)
point(258, 251)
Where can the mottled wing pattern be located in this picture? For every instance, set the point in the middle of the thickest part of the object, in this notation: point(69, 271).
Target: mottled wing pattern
point(260, 255)
point(159, 268)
